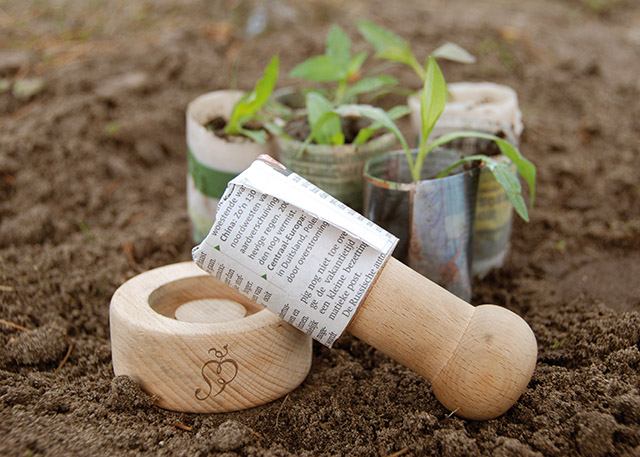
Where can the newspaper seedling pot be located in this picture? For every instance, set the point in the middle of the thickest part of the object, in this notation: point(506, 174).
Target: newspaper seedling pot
point(489, 108)
point(212, 160)
point(198, 345)
point(335, 169)
point(433, 218)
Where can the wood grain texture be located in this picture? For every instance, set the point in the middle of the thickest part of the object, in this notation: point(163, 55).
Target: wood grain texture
point(210, 310)
point(478, 360)
point(202, 366)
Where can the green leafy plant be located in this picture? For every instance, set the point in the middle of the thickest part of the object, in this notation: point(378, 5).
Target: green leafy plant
point(394, 48)
point(337, 65)
point(249, 107)
point(433, 99)
point(324, 120)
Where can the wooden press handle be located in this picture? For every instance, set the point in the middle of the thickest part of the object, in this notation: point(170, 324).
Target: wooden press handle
point(478, 359)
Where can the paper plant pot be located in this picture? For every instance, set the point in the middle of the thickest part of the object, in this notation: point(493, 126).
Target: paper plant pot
point(485, 107)
point(213, 161)
point(489, 108)
point(433, 217)
point(335, 169)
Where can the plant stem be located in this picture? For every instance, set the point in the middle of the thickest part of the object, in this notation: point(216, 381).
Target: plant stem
point(423, 152)
point(340, 91)
point(419, 69)
point(447, 170)
point(472, 158)
point(412, 166)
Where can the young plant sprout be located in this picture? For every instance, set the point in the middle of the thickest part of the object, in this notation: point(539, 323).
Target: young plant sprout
point(393, 48)
point(337, 65)
point(324, 121)
point(249, 107)
point(433, 99)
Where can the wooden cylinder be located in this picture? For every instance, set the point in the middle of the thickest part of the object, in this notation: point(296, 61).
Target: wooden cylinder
point(478, 359)
point(173, 335)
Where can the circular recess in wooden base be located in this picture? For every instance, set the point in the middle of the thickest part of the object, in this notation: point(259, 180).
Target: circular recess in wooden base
point(200, 346)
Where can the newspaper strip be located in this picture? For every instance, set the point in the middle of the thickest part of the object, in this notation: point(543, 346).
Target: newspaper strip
point(291, 247)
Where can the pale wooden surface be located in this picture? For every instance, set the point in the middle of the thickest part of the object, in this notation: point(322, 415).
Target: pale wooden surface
point(210, 310)
point(247, 361)
point(478, 360)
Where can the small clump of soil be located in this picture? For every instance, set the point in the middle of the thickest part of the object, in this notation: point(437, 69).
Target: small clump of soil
point(217, 125)
point(45, 344)
point(125, 394)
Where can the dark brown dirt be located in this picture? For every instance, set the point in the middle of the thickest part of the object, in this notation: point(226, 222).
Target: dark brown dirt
point(92, 192)
point(217, 125)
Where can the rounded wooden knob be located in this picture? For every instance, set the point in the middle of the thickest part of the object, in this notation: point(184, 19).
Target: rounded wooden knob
point(478, 359)
point(200, 346)
point(490, 367)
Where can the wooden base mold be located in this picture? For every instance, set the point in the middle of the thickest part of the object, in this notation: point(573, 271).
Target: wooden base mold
point(198, 345)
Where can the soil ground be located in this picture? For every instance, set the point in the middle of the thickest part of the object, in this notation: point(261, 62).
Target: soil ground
point(92, 192)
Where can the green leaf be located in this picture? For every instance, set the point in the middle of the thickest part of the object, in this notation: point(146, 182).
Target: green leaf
point(369, 84)
point(248, 106)
point(317, 106)
point(385, 42)
point(389, 45)
point(259, 136)
point(432, 101)
point(504, 176)
point(365, 133)
point(398, 111)
point(377, 115)
point(338, 47)
point(511, 184)
point(315, 129)
point(526, 169)
point(337, 139)
point(453, 52)
point(275, 130)
point(264, 88)
point(356, 63)
point(319, 69)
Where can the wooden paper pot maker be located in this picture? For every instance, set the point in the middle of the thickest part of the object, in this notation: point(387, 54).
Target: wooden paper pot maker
point(200, 346)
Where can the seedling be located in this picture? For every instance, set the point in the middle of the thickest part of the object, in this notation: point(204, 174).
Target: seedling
point(393, 48)
point(337, 65)
point(249, 107)
point(324, 122)
point(433, 99)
